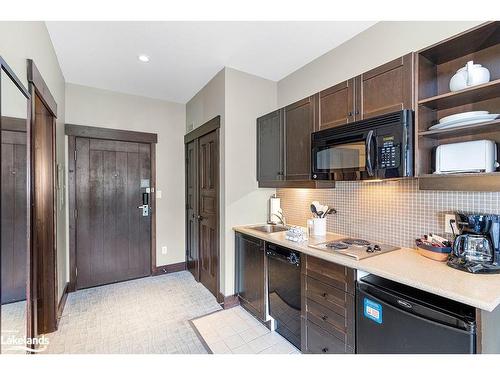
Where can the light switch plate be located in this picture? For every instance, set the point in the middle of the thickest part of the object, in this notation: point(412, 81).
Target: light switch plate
point(448, 226)
point(164, 250)
point(158, 194)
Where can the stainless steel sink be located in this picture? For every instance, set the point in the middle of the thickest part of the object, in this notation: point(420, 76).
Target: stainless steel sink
point(270, 228)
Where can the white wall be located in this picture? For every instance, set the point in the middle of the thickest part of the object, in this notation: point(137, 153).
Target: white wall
point(20, 41)
point(96, 107)
point(239, 98)
point(377, 45)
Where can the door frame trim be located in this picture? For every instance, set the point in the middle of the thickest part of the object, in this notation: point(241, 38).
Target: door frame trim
point(44, 315)
point(82, 131)
point(206, 128)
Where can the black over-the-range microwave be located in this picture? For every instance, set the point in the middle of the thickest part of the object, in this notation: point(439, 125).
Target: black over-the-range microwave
point(372, 149)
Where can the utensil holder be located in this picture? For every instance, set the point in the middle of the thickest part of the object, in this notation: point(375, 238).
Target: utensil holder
point(319, 226)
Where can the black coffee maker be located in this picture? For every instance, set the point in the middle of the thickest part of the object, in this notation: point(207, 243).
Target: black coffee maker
point(477, 248)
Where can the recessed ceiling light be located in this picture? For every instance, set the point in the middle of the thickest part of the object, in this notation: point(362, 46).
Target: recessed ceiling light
point(144, 58)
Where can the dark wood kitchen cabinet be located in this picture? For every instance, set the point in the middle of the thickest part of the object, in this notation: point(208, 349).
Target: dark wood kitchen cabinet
point(328, 314)
point(250, 274)
point(300, 120)
point(385, 89)
point(336, 105)
point(270, 163)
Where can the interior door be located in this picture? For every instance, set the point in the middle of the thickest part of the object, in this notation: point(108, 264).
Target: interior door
point(208, 180)
point(192, 256)
point(113, 234)
point(14, 223)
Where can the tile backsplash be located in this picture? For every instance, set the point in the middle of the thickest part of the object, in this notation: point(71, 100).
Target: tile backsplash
point(393, 212)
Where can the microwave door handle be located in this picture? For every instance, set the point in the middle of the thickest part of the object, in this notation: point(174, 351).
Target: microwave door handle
point(368, 145)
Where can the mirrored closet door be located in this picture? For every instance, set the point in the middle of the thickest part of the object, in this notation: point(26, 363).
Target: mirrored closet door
point(14, 211)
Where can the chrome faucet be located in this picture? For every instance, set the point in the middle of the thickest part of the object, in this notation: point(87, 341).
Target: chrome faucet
point(281, 216)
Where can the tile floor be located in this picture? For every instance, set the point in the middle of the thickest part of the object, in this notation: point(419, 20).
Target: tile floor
point(235, 331)
point(13, 324)
point(149, 315)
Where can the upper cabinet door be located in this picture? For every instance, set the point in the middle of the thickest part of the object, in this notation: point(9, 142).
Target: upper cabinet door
point(385, 89)
point(270, 147)
point(336, 105)
point(300, 121)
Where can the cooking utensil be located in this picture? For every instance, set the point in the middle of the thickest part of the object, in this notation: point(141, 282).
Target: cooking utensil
point(313, 210)
point(331, 211)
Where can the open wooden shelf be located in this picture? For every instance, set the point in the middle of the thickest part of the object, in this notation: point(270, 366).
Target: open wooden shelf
point(482, 127)
point(460, 181)
point(435, 67)
point(478, 93)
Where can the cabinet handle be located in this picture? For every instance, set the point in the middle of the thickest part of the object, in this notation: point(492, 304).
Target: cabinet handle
point(324, 350)
point(324, 317)
point(200, 217)
point(357, 112)
point(325, 295)
point(349, 114)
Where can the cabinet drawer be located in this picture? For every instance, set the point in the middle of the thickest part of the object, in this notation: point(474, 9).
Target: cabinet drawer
point(333, 274)
point(319, 341)
point(326, 295)
point(341, 326)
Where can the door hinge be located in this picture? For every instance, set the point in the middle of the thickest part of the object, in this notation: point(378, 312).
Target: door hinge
point(75, 154)
point(76, 213)
point(76, 272)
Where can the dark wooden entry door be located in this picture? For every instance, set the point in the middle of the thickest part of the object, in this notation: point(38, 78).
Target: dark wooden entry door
point(113, 238)
point(192, 257)
point(208, 176)
point(14, 220)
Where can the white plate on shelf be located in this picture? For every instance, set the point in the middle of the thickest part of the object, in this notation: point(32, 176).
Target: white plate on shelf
point(462, 116)
point(464, 122)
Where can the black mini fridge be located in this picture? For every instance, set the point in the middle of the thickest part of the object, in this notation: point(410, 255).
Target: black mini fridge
point(392, 318)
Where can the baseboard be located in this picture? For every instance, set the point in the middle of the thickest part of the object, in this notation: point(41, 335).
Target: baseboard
point(228, 302)
point(169, 268)
point(62, 303)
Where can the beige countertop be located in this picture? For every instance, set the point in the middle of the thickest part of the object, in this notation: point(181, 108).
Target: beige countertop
point(405, 266)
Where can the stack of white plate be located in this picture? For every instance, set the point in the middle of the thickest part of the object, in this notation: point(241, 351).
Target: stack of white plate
point(463, 119)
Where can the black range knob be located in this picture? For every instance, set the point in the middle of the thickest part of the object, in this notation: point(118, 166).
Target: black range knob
point(377, 248)
point(369, 249)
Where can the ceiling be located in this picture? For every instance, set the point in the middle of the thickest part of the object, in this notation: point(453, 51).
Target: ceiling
point(184, 56)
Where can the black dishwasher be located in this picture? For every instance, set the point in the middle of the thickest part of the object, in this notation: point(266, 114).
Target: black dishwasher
point(392, 318)
point(284, 291)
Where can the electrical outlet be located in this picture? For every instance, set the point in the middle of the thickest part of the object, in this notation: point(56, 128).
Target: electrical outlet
point(164, 250)
point(448, 226)
point(158, 194)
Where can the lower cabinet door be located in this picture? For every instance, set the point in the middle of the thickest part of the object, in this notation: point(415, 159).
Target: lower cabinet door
point(250, 279)
point(319, 341)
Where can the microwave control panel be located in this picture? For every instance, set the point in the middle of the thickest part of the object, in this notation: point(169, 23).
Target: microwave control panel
point(389, 153)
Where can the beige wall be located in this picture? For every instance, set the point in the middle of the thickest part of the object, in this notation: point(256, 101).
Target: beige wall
point(247, 97)
point(377, 45)
point(30, 40)
point(95, 107)
point(239, 98)
point(208, 103)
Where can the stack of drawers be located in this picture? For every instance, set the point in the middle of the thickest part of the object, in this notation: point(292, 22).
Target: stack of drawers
point(327, 307)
